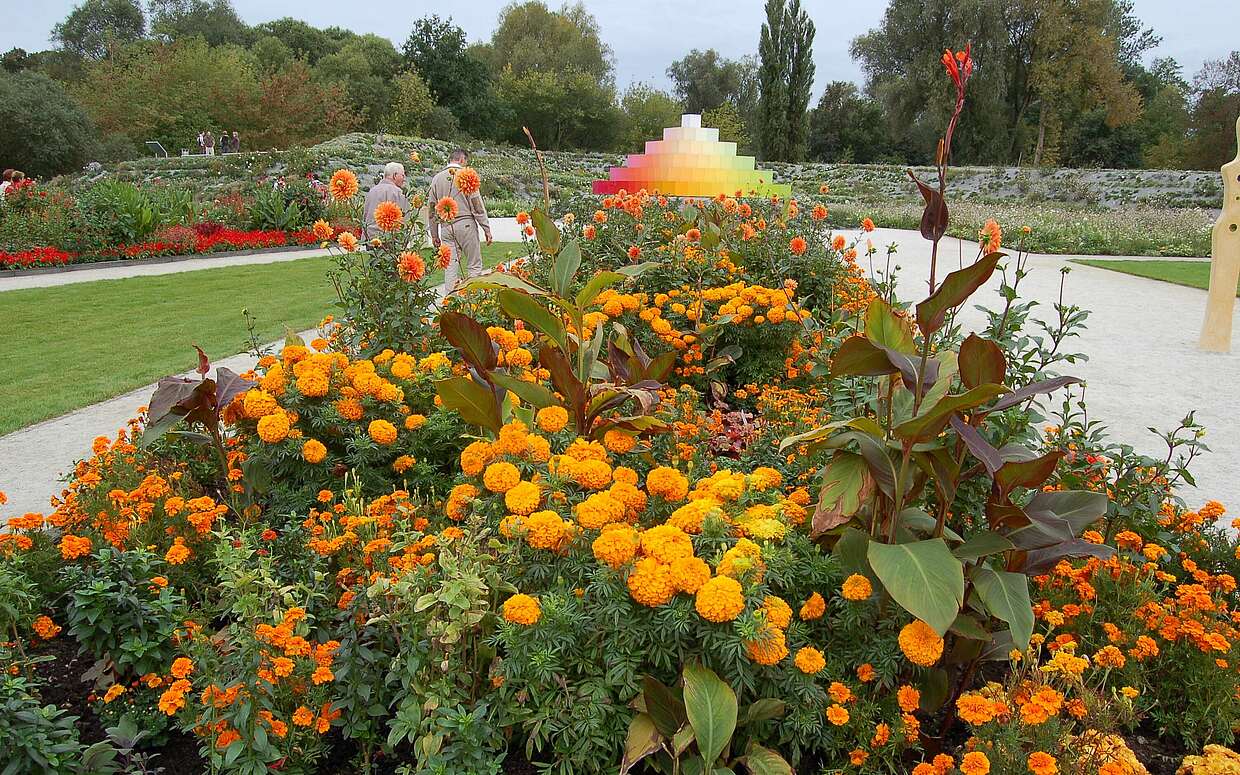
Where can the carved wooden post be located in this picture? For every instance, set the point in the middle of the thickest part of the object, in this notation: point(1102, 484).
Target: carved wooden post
point(1224, 262)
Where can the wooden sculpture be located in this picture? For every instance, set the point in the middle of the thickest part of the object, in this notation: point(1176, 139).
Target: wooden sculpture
point(1225, 262)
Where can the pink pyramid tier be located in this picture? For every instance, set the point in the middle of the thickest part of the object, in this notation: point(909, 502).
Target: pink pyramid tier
point(691, 161)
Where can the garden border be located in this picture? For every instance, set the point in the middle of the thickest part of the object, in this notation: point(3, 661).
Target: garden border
point(150, 261)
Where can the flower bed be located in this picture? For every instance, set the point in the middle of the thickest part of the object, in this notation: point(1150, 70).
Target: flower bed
point(683, 490)
point(38, 257)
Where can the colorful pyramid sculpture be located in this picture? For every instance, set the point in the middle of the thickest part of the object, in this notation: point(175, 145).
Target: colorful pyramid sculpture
point(690, 161)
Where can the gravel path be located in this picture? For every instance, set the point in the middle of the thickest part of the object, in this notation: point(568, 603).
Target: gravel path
point(1144, 370)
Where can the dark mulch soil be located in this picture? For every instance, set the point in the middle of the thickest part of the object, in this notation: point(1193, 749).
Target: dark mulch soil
point(1160, 757)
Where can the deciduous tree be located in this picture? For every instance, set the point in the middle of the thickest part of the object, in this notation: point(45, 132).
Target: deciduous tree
point(96, 24)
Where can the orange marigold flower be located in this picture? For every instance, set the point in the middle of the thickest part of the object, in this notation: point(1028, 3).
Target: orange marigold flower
point(303, 716)
point(446, 208)
point(45, 628)
point(809, 660)
point(975, 763)
point(72, 547)
point(837, 714)
point(1042, 763)
point(975, 709)
point(813, 608)
point(313, 451)
point(343, 185)
point(382, 432)
point(920, 643)
point(522, 609)
point(182, 667)
point(114, 691)
point(720, 600)
point(389, 216)
point(857, 587)
point(908, 698)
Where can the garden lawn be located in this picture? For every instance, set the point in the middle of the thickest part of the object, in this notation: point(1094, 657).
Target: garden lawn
point(70, 346)
point(1195, 274)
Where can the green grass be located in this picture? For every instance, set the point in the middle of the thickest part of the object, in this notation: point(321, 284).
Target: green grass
point(74, 345)
point(1195, 274)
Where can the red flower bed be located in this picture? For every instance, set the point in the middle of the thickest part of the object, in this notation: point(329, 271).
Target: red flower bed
point(35, 257)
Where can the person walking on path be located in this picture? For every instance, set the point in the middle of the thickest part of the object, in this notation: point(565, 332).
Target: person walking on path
point(390, 189)
point(208, 142)
point(457, 221)
point(236, 142)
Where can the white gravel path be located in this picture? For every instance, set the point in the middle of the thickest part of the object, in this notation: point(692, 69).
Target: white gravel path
point(1144, 370)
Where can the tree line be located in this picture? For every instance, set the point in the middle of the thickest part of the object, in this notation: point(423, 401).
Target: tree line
point(1061, 82)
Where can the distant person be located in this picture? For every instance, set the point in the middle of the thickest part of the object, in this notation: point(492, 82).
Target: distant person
point(390, 189)
point(7, 181)
point(208, 142)
point(236, 143)
point(202, 142)
point(222, 142)
point(461, 231)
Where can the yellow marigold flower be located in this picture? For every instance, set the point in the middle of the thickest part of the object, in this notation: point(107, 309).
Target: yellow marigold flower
point(810, 660)
point(382, 432)
point(523, 498)
point(615, 547)
point(182, 667)
point(689, 574)
point(313, 383)
point(522, 609)
point(343, 185)
point(415, 421)
point(592, 474)
point(581, 449)
point(274, 427)
point(545, 530)
point(1109, 656)
point(350, 409)
point(857, 587)
point(667, 483)
point(920, 643)
point(666, 543)
point(720, 599)
point(538, 448)
point(258, 403)
point(598, 510)
point(975, 763)
point(690, 516)
point(741, 558)
point(618, 441)
point(625, 474)
point(765, 478)
point(837, 714)
point(552, 419)
point(650, 583)
point(501, 477)
point(114, 691)
point(1129, 692)
point(813, 608)
point(313, 451)
point(778, 613)
point(389, 216)
point(769, 648)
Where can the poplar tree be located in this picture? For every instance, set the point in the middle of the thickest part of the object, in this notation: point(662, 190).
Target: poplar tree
point(785, 78)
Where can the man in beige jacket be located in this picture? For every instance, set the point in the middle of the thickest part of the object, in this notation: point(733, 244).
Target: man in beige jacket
point(461, 233)
point(390, 189)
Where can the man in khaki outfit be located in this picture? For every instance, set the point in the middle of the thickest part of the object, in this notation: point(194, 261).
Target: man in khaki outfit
point(461, 233)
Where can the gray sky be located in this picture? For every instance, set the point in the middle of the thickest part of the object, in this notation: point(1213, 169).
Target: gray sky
point(647, 35)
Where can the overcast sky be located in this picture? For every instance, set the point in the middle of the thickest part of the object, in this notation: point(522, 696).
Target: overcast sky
point(647, 35)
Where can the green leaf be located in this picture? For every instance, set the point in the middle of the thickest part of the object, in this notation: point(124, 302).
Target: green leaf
point(928, 424)
point(981, 362)
point(764, 761)
point(884, 329)
point(923, 577)
point(596, 285)
point(982, 544)
point(711, 707)
point(564, 268)
point(643, 739)
point(850, 551)
point(521, 306)
point(531, 392)
point(764, 710)
point(846, 483)
point(1026, 473)
point(475, 403)
point(636, 270)
point(1006, 596)
point(968, 627)
point(1079, 508)
point(497, 279)
point(546, 231)
point(859, 357)
point(956, 288)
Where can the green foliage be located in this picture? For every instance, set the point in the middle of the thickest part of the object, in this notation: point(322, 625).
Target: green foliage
point(785, 77)
point(119, 616)
point(270, 210)
point(39, 739)
point(215, 21)
point(364, 67)
point(459, 80)
point(120, 213)
point(529, 37)
point(46, 132)
point(846, 127)
point(703, 80)
point(95, 26)
point(412, 105)
point(645, 111)
point(563, 110)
